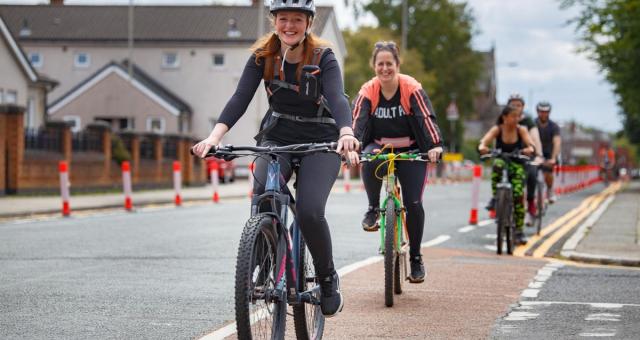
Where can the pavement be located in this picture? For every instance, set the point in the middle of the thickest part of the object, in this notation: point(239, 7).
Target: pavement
point(611, 234)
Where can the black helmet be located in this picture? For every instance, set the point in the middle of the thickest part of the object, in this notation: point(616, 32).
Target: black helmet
point(306, 6)
point(515, 96)
point(543, 106)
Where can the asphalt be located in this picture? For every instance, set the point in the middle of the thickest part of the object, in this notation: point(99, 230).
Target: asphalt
point(611, 235)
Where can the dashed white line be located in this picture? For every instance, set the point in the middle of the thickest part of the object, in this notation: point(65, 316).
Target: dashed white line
point(484, 223)
point(530, 293)
point(600, 332)
point(466, 229)
point(436, 241)
point(521, 316)
point(230, 329)
point(602, 317)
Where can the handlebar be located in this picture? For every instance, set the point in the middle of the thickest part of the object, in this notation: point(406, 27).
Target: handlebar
point(412, 155)
point(229, 152)
point(497, 153)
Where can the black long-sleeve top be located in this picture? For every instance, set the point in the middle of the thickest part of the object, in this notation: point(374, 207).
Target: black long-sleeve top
point(289, 102)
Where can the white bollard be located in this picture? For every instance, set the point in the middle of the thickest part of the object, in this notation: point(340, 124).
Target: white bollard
point(475, 193)
point(126, 183)
point(64, 188)
point(177, 182)
point(346, 173)
point(215, 180)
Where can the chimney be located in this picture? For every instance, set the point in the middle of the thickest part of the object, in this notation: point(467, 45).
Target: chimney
point(56, 2)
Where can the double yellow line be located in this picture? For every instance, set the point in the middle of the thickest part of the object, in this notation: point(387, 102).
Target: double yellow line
point(565, 224)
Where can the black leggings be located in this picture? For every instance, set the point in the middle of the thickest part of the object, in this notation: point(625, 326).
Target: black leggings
point(413, 177)
point(315, 178)
point(532, 181)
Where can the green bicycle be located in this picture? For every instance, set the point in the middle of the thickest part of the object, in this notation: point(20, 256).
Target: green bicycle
point(394, 242)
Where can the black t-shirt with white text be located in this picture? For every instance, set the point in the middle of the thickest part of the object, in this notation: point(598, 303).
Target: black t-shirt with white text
point(390, 120)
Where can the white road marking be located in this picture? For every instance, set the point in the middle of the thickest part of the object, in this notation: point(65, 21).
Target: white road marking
point(536, 285)
point(436, 241)
point(490, 236)
point(592, 304)
point(521, 316)
point(466, 229)
point(484, 223)
point(491, 247)
point(230, 329)
point(599, 332)
point(602, 317)
point(530, 293)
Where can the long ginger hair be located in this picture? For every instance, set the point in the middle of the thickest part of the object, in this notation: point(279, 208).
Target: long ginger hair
point(267, 48)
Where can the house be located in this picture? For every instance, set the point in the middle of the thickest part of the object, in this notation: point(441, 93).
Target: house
point(20, 84)
point(135, 101)
point(195, 53)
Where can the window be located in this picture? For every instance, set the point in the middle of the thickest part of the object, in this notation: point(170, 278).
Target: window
point(10, 97)
point(155, 124)
point(218, 60)
point(170, 60)
point(36, 59)
point(82, 60)
point(74, 122)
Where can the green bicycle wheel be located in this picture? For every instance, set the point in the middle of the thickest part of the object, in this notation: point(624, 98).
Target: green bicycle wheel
point(389, 254)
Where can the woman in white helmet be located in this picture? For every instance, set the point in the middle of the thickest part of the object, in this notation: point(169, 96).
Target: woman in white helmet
point(297, 117)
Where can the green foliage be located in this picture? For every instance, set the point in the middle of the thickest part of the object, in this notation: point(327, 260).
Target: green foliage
point(358, 68)
point(119, 151)
point(470, 150)
point(441, 31)
point(610, 33)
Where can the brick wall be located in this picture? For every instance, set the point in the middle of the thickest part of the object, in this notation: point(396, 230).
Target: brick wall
point(33, 170)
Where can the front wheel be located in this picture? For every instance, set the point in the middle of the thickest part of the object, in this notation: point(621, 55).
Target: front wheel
point(541, 207)
point(389, 254)
point(260, 312)
point(308, 318)
point(503, 220)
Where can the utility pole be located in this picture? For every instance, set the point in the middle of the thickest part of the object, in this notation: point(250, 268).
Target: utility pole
point(405, 25)
point(130, 40)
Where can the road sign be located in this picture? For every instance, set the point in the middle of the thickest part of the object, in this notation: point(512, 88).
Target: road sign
point(452, 111)
point(452, 157)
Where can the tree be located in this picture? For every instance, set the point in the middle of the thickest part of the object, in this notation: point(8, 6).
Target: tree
point(358, 68)
point(441, 31)
point(610, 33)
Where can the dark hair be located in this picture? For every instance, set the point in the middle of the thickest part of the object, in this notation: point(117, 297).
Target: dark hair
point(505, 111)
point(389, 46)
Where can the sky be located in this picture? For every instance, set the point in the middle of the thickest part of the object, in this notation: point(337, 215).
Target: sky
point(535, 54)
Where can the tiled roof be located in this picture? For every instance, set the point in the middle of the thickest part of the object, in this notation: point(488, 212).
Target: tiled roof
point(152, 23)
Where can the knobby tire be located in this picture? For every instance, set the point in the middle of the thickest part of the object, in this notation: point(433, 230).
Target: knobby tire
point(256, 267)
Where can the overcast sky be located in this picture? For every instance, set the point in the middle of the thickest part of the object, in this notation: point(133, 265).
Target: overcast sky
point(531, 34)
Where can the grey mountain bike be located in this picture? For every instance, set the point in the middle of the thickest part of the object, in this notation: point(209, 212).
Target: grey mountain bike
point(274, 267)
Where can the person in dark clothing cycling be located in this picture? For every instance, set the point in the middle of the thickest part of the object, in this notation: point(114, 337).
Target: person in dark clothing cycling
point(393, 109)
point(510, 136)
point(551, 144)
point(283, 59)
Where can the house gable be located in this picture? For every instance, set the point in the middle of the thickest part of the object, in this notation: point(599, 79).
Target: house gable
point(112, 69)
point(17, 52)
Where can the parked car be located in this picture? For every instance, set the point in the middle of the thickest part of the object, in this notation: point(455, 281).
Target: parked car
point(226, 170)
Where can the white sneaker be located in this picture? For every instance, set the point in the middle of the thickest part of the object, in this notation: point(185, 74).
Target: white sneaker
point(528, 220)
point(552, 198)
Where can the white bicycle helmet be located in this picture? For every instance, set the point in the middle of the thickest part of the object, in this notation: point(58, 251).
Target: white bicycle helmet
point(306, 6)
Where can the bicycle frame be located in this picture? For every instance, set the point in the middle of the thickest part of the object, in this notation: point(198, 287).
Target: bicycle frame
point(287, 286)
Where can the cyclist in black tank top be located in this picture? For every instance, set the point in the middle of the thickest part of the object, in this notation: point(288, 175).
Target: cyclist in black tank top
point(509, 137)
point(508, 147)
